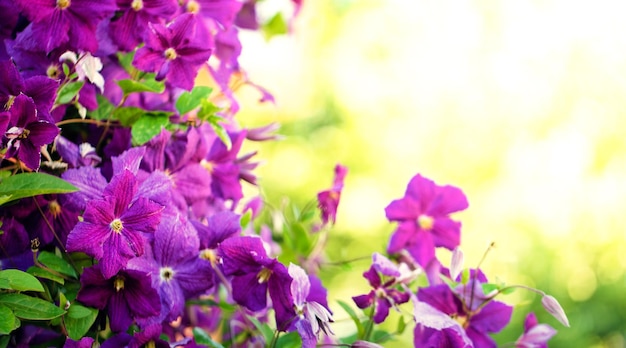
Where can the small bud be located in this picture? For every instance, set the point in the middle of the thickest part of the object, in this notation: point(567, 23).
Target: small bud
point(456, 265)
point(553, 307)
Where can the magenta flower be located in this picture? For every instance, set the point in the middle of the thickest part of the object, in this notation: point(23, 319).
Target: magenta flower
point(328, 200)
point(112, 228)
point(535, 335)
point(424, 222)
point(128, 30)
point(26, 133)
point(173, 52)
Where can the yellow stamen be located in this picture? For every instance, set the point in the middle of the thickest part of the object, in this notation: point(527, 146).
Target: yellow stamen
point(53, 71)
point(264, 275)
point(137, 5)
point(425, 222)
point(63, 4)
point(118, 283)
point(193, 6)
point(207, 165)
point(166, 273)
point(54, 208)
point(209, 255)
point(116, 225)
point(170, 54)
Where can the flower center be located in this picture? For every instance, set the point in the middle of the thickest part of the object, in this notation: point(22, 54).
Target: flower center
point(118, 283)
point(150, 344)
point(264, 275)
point(462, 319)
point(170, 54)
point(166, 273)
point(425, 222)
point(207, 165)
point(137, 5)
point(54, 208)
point(53, 71)
point(116, 225)
point(63, 4)
point(209, 255)
point(17, 133)
point(193, 6)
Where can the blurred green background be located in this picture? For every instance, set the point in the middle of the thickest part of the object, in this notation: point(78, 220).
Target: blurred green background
point(520, 103)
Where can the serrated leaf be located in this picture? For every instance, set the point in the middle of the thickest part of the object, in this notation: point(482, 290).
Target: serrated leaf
point(78, 320)
point(148, 85)
point(42, 273)
point(19, 281)
point(202, 337)
point(8, 321)
point(355, 318)
point(56, 263)
point(33, 184)
point(147, 127)
point(188, 101)
point(289, 340)
point(30, 308)
point(68, 92)
point(263, 328)
point(128, 115)
point(105, 109)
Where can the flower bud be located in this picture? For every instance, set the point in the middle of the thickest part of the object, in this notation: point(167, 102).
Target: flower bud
point(553, 307)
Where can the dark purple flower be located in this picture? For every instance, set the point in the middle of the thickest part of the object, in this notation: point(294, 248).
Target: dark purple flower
point(477, 314)
point(535, 335)
point(52, 219)
point(127, 296)
point(424, 222)
point(173, 52)
point(85, 342)
point(328, 200)
point(221, 11)
point(58, 22)
point(254, 274)
point(178, 273)
point(26, 133)
point(219, 227)
point(128, 30)
point(113, 226)
point(77, 155)
point(436, 329)
point(40, 88)
point(383, 276)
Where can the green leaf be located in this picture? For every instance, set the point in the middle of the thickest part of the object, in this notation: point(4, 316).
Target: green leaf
point(148, 85)
point(20, 281)
point(263, 328)
point(289, 340)
point(207, 111)
point(202, 337)
point(33, 184)
point(275, 26)
point(78, 320)
point(30, 308)
point(245, 219)
point(147, 127)
point(8, 321)
point(220, 131)
point(68, 92)
point(355, 318)
point(507, 291)
point(128, 115)
point(301, 238)
point(401, 326)
point(188, 101)
point(465, 276)
point(42, 273)
point(56, 263)
point(489, 287)
point(126, 60)
point(4, 340)
point(105, 109)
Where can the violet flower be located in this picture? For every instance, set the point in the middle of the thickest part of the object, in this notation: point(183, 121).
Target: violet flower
point(254, 274)
point(328, 200)
point(112, 228)
point(535, 335)
point(173, 52)
point(128, 30)
point(424, 222)
point(26, 133)
point(383, 276)
point(127, 296)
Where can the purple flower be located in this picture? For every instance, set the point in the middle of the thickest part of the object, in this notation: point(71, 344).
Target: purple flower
point(383, 276)
point(26, 133)
point(424, 222)
point(311, 316)
point(72, 22)
point(328, 200)
point(128, 30)
point(173, 52)
point(178, 273)
point(222, 11)
point(436, 329)
point(477, 314)
point(254, 274)
point(128, 295)
point(85, 342)
point(535, 335)
point(113, 226)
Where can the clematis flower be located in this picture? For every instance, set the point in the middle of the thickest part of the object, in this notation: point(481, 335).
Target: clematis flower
point(41, 89)
point(383, 276)
point(112, 228)
point(328, 200)
point(173, 52)
point(127, 296)
point(535, 335)
point(128, 30)
point(254, 274)
point(26, 133)
point(423, 217)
